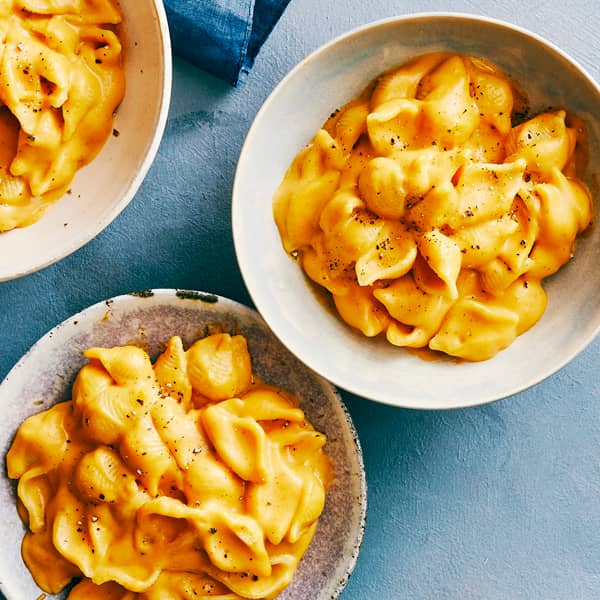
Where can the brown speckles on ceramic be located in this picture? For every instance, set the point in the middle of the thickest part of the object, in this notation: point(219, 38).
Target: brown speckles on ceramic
point(194, 295)
point(45, 374)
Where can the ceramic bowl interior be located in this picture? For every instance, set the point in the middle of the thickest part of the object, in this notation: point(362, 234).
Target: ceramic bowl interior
point(102, 189)
point(298, 106)
point(44, 376)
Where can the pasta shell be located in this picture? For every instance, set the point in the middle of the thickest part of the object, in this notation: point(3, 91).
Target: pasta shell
point(310, 506)
point(170, 369)
point(302, 218)
point(351, 124)
point(264, 403)
point(487, 191)
point(412, 306)
point(393, 126)
point(88, 590)
point(219, 366)
point(483, 242)
point(282, 572)
point(450, 115)
point(125, 364)
point(391, 257)
point(361, 310)
point(381, 185)
point(34, 491)
point(38, 552)
point(148, 457)
point(29, 451)
point(439, 265)
point(274, 502)
point(302, 442)
point(238, 545)
point(497, 276)
point(527, 299)
point(403, 82)
point(544, 142)
point(208, 477)
point(493, 94)
point(406, 336)
point(348, 229)
point(12, 190)
point(188, 586)
point(475, 330)
point(325, 269)
point(107, 416)
point(240, 441)
point(101, 476)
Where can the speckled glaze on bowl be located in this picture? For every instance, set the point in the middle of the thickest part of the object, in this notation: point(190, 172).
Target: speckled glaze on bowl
point(102, 189)
point(44, 376)
point(373, 368)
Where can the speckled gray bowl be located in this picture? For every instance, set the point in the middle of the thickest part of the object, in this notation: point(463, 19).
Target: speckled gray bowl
point(44, 376)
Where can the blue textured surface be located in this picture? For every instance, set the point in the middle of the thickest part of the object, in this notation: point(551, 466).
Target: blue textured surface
point(494, 503)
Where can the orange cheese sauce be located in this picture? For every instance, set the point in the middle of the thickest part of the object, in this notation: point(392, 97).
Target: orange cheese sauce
point(183, 478)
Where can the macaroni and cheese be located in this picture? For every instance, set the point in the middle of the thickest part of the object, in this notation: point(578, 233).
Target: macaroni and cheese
point(431, 207)
point(188, 479)
point(61, 79)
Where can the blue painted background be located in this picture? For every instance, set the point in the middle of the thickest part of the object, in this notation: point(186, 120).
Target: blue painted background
point(494, 503)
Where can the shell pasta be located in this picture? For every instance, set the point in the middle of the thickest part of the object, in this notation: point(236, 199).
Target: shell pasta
point(61, 79)
point(184, 479)
point(432, 207)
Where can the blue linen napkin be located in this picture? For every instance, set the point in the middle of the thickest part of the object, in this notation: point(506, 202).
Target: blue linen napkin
point(222, 36)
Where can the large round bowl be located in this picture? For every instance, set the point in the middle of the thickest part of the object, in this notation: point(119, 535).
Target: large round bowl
point(292, 114)
point(102, 189)
point(148, 319)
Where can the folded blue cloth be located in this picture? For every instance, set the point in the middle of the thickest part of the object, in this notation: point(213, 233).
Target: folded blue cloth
point(222, 36)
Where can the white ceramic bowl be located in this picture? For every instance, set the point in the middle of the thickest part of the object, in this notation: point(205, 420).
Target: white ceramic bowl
point(372, 368)
point(102, 189)
point(44, 375)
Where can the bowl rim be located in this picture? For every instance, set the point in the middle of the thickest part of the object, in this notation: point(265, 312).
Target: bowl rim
point(245, 266)
point(135, 182)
